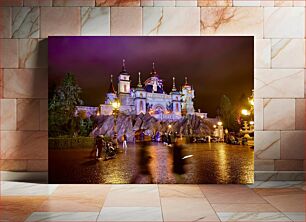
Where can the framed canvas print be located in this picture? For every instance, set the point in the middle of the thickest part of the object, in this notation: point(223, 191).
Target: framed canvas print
point(151, 109)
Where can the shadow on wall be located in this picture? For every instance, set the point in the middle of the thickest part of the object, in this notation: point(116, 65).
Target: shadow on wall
point(26, 149)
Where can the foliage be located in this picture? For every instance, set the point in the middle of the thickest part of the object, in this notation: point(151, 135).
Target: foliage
point(62, 107)
point(228, 114)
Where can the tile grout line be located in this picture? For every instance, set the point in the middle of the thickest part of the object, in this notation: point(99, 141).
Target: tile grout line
point(104, 202)
point(161, 208)
point(209, 202)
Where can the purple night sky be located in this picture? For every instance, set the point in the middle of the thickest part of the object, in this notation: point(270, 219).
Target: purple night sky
point(213, 65)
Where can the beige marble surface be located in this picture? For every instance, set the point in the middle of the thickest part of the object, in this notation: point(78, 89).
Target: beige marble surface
point(232, 21)
point(95, 21)
point(171, 21)
point(25, 22)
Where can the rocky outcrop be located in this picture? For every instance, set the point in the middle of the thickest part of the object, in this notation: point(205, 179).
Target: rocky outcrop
point(130, 124)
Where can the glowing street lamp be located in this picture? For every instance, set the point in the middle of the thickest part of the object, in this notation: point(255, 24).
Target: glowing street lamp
point(245, 112)
point(251, 122)
point(214, 126)
point(116, 105)
point(219, 123)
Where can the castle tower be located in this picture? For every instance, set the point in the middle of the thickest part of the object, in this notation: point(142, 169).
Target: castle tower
point(124, 85)
point(140, 98)
point(111, 94)
point(187, 98)
point(176, 99)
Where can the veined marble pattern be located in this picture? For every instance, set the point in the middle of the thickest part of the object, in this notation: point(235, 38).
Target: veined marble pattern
point(171, 21)
point(277, 184)
point(232, 21)
point(25, 23)
point(267, 145)
point(283, 50)
point(273, 83)
point(95, 21)
point(258, 114)
point(215, 3)
point(33, 53)
point(284, 22)
point(279, 114)
point(8, 114)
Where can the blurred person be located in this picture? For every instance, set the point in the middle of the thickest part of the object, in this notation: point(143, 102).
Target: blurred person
point(178, 159)
point(143, 162)
point(124, 142)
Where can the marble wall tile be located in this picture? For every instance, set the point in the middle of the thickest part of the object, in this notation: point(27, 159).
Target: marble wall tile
point(146, 2)
point(33, 53)
point(117, 2)
point(289, 165)
point(25, 22)
point(13, 165)
point(8, 53)
point(186, 3)
point(25, 83)
point(284, 50)
point(279, 3)
point(237, 3)
point(126, 21)
point(163, 3)
point(28, 114)
point(299, 3)
point(258, 114)
point(5, 3)
point(171, 21)
point(1, 85)
point(263, 165)
point(279, 114)
point(253, 216)
point(274, 83)
point(37, 2)
point(43, 114)
point(51, 17)
point(74, 3)
point(267, 3)
point(267, 145)
point(37, 165)
point(262, 53)
point(300, 114)
point(95, 21)
point(23, 144)
point(8, 114)
point(232, 21)
point(284, 22)
point(220, 3)
point(5, 22)
point(63, 216)
point(292, 145)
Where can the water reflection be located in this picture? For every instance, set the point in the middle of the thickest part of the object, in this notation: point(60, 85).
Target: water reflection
point(208, 163)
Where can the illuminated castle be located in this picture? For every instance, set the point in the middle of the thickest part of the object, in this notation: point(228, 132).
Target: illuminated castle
point(149, 97)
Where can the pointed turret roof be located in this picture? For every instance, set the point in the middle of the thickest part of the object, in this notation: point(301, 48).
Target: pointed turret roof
point(139, 85)
point(123, 71)
point(111, 88)
point(153, 73)
point(173, 84)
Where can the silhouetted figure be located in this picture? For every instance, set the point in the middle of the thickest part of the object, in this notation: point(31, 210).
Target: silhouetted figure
point(99, 145)
point(143, 160)
point(124, 143)
point(178, 160)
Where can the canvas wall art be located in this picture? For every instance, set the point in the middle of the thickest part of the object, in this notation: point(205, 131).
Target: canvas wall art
point(151, 109)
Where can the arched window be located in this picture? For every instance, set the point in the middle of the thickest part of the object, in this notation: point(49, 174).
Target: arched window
point(140, 95)
point(124, 88)
point(177, 107)
point(141, 106)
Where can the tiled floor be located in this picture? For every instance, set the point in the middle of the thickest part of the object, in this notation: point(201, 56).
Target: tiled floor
point(268, 201)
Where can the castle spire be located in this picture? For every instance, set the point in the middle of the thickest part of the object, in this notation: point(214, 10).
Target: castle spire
point(153, 69)
point(173, 84)
point(111, 88)
point(123, 65)
point(139, 81)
